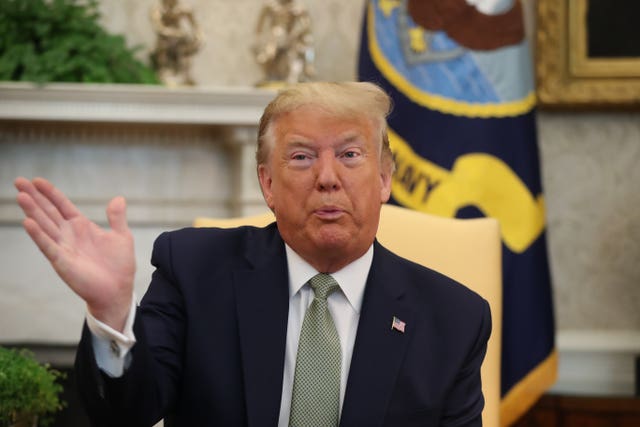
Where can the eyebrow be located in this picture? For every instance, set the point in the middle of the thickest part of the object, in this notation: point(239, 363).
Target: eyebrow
point(302, 141)
point(298, 143)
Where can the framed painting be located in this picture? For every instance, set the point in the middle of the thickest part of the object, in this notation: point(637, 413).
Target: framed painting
point(588, 54)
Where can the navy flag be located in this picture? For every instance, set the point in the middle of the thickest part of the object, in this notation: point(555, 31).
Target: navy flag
point(463, 135)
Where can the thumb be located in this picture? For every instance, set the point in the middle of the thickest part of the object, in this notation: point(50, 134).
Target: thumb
point(117, 214)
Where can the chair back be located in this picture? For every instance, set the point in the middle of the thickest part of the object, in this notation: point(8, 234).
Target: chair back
point(467, 250)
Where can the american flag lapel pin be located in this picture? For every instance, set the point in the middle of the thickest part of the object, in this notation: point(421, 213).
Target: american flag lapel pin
point(398, 324)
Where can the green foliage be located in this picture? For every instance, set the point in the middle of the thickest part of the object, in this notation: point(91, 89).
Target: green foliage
point(27, 388)
point(62, 41)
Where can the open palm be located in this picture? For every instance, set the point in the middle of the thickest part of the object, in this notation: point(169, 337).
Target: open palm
point(97, 264)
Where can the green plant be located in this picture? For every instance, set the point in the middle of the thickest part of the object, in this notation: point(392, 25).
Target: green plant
point(27, 388)
point(62, 41)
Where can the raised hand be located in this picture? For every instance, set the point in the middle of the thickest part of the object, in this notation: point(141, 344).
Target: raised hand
point(97, 264)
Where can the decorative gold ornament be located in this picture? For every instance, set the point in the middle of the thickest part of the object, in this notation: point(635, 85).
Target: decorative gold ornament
point(178, 40)
point(284, 43)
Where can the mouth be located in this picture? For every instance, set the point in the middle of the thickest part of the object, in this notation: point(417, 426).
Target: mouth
point(328, 213)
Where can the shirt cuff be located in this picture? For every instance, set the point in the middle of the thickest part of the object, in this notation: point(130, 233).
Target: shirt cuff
point(110, 347)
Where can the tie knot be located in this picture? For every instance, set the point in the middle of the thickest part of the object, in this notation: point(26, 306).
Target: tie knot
point(323, 285)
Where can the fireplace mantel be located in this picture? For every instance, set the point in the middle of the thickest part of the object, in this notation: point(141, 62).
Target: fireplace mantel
point(227, 106)
point(223, 118)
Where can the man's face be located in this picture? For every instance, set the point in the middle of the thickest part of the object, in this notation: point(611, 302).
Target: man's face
point(324, 182)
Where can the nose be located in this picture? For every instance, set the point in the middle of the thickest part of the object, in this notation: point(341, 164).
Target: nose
point(327, 178)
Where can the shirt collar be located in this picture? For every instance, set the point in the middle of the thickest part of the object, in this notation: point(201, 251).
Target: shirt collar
point(352, 278)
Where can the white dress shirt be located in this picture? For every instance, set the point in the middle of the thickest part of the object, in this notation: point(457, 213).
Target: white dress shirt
point(344, 307)
point(111, 347)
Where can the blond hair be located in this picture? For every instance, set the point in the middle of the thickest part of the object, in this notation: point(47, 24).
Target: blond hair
point(346, 99)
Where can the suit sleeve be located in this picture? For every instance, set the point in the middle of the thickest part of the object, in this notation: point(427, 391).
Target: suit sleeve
point(148, 387)
point(465, 401)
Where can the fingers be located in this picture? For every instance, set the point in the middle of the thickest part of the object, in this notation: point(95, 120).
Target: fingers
point(42, 202)
point(117, 214)
point(27, 199)
point(57, 197)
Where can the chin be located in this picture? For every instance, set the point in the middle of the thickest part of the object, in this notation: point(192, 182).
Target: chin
point(339, 245)
point(333, 235)
point(334, 245)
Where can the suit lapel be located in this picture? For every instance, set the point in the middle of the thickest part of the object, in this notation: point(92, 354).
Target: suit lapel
point(262, 307)
point(379, 349)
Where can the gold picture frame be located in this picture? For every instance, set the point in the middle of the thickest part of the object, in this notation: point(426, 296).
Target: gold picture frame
point(566, 77)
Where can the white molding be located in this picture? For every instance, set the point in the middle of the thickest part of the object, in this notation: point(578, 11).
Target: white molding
point(597, 362)
point(133, 103)
point(599, 341)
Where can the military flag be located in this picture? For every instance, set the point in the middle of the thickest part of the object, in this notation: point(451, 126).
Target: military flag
point(463, 135)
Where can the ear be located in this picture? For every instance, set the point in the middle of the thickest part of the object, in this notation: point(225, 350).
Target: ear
point(264, 176)
point(385, 188)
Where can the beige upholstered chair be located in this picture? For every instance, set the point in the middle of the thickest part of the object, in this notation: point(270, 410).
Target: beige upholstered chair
point(469, 251)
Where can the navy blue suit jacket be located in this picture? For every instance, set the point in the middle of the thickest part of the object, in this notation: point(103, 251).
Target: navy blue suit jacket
point(211, 341)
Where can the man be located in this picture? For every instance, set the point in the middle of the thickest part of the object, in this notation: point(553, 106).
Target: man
point(233, 329)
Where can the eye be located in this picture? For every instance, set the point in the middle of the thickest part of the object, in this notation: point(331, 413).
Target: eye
point(351, 155)
point(300, 159)
point(299, 156)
